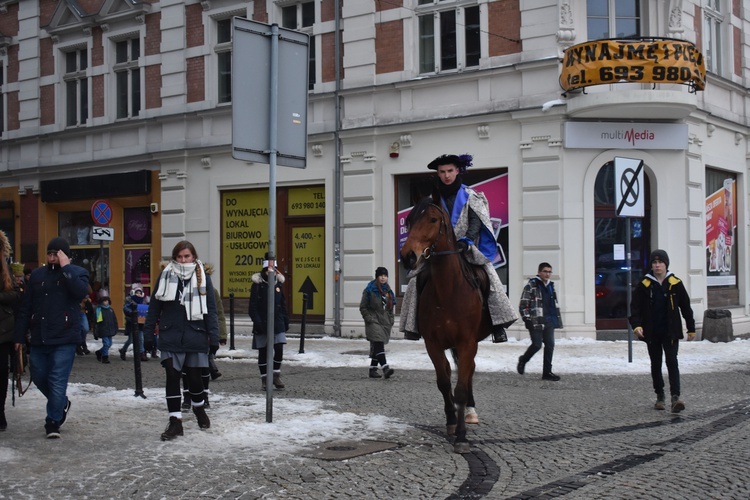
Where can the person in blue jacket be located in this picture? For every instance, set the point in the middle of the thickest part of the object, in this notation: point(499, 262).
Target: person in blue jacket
point(184, 307)
point(51, 312)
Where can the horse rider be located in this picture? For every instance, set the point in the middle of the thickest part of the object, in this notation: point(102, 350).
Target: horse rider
point(470, 216)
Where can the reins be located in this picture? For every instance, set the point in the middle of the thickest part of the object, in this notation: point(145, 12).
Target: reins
point(18, 374)
point(430, 251)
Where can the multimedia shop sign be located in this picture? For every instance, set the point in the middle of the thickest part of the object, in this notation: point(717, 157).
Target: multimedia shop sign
point(612, 135)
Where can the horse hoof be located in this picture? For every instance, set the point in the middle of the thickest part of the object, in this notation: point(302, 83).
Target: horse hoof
point(450, 430)
point(471, 416)
point(462, 448)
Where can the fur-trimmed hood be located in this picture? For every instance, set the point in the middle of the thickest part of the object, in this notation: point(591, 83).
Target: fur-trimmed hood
point(5, 247)
point(258, 279)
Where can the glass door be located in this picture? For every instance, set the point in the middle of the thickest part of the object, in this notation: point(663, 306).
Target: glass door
point(611, 271)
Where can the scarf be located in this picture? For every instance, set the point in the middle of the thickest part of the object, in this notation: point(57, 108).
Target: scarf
point(192, 297)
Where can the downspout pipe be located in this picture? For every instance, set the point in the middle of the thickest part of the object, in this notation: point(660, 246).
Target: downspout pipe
point(337, 175)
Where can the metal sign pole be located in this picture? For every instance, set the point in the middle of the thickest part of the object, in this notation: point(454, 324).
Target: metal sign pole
point(272, 138)
point(627, 308)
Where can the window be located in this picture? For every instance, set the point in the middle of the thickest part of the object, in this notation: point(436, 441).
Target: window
point(613, 19)
point(301, 17)
point(223, 51)
point(84, 249)
point(448, 37)
point(128, 78)
point(712, 46)
point(721, 238)
point(76, 87)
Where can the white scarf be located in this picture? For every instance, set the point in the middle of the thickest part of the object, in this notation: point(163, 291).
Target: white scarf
point(194, 303)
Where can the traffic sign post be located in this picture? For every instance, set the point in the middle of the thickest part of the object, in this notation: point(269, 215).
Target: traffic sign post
point(101, 213)
point(629, 188)
point(265, 128)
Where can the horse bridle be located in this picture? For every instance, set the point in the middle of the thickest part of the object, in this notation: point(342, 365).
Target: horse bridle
point(430, 251)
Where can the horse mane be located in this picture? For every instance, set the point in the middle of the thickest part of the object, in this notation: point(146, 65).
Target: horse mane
point(418, 210)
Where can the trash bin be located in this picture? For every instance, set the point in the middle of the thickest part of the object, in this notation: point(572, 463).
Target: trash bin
point(717, 325)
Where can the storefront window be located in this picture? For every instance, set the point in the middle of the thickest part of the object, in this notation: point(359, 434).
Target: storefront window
point(721, 238)
point(76, 228)
point(137, 226)
point(90, 254)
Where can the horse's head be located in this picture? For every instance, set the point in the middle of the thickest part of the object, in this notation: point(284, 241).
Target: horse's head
point(430, 230)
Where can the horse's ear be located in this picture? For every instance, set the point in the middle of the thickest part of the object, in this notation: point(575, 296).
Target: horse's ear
point(436, 195)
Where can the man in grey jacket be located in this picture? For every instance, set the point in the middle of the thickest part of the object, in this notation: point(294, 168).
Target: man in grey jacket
point(51, 313)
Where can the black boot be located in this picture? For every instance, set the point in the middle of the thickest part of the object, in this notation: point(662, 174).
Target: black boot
point(374, 372)
point(186, 400)
point(263, 386)
point(105, 360)
point(174, 429)
point(98, 355)
point(412, 335)
point(387, 371)
point(122, 354)
point(200, 415)
point(498, 334)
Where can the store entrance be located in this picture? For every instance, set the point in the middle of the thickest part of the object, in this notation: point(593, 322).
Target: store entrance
point(611, 272)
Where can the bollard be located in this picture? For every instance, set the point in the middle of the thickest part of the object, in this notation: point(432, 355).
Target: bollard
point(304, 321)
point(231, 321)
point(136, 352)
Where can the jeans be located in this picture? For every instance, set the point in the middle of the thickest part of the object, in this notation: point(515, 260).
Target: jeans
point(50, 368)
point(130, 338)
point(669, 347)
point(106, 344)
point(546, 336)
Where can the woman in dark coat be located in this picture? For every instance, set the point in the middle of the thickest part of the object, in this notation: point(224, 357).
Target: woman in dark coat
point(10, 299)
point(376, 307)
point(259, 314)
point(184, 306)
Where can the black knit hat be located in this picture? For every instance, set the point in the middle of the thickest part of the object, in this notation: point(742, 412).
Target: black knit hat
point(58, 243)
point(661, 255)
point(380, 272)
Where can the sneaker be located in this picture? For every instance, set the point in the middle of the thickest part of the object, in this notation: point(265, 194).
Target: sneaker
point(374, 373)
point(521, 366)
point(550, 376)
point(659, 405)
point(65, 414)
point(174, 429)
point(122, 354)
point(200, 415)
point(387, 372)
point(677, 404)
point(53, 433)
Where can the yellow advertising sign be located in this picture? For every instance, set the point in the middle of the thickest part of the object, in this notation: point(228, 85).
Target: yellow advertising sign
point(601, 62)
point(308, 261)
point(244, 236)
point(307, 200)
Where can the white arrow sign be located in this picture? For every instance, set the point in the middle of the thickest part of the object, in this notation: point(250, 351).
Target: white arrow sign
point(102, 233)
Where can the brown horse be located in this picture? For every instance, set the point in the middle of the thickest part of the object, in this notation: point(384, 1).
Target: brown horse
point(451, 312)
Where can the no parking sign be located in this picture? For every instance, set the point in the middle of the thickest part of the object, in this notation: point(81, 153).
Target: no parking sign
point(101, 213)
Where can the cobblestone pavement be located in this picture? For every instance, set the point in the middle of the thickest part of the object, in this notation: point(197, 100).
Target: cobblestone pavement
point(585, 437)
